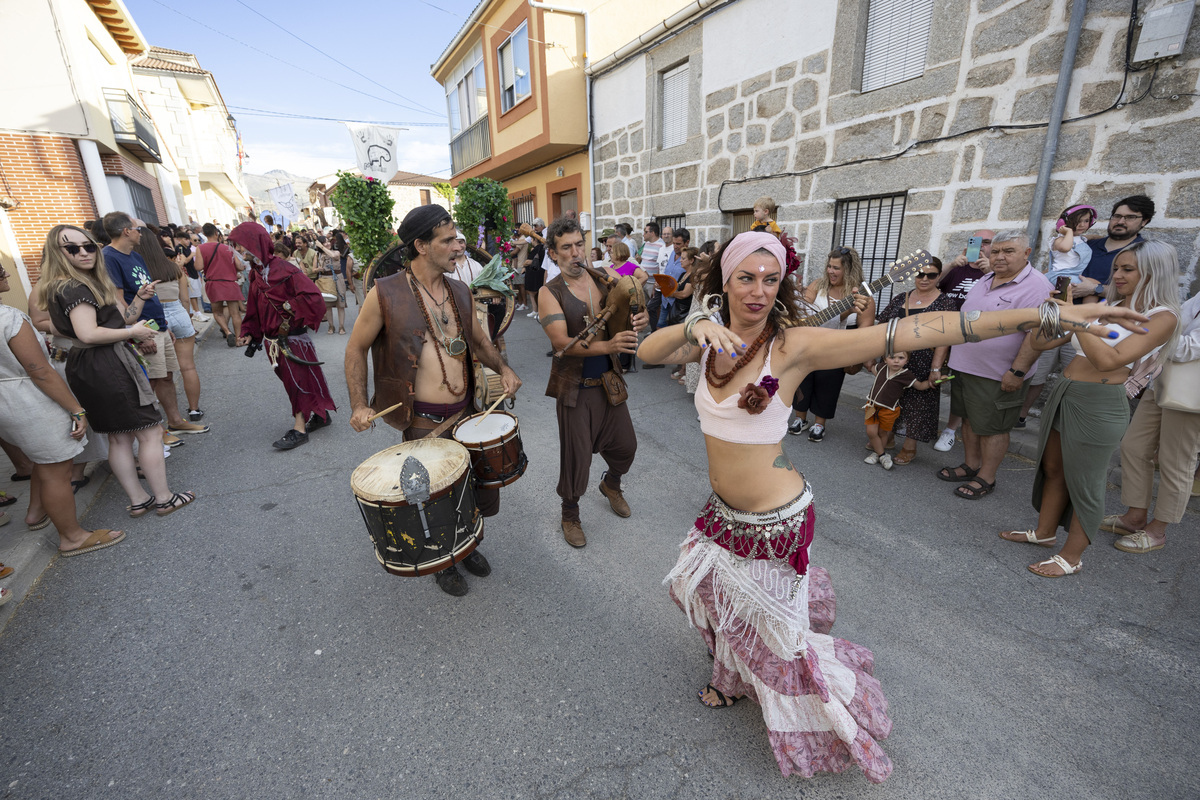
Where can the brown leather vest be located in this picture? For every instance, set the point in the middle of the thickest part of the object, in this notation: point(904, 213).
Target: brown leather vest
point(567, 372)
point(396, 351)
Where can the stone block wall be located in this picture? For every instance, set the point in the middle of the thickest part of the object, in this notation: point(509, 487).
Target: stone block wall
point(803, 134)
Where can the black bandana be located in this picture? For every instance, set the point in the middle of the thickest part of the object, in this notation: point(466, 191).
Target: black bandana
point(420, 222)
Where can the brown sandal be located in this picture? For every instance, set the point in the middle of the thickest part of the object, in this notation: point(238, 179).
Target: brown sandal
point(904, 457)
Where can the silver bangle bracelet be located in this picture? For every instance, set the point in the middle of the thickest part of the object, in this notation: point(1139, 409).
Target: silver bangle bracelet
point(891, 336)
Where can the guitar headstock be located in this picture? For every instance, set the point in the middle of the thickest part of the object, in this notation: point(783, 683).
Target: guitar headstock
point(906, 268)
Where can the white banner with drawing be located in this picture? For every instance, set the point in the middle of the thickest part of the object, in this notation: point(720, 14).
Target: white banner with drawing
point(285, 203)
point(375, 149)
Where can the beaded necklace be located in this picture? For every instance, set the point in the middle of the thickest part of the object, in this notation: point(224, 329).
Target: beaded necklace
point(716, 380)
point(448, 344)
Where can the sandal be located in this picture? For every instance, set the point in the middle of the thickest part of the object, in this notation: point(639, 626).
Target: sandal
point(1027, 537)
point(44, 522)
point(341, 331)
point(904, 457)
point(5, 571)
point(726, 702)
point(1062, 564)
point(947, 473)
point(99, 540)
point(1112, 524)
point(177, 501)
point(16, 477)
point(6, 499)
point(141, 509)
point(969, 492)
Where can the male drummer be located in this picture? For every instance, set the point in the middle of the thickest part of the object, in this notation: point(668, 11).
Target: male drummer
point(587, 422)
point(420, 327)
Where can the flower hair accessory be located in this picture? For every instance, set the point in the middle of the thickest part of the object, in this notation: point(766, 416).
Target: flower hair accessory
point(756, 397)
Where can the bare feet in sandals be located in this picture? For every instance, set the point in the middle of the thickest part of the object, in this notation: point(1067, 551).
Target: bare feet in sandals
point(713, 698)
point(1028, 537)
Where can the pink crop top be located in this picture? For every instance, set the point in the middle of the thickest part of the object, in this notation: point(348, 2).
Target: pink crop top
point(727, 422)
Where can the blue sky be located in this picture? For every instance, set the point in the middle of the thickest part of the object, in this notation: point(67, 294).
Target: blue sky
point(392, 43)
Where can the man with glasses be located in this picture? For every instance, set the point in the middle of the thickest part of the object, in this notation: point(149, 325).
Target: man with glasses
point(1128, 218)
point(990, 375)
point(129, 273)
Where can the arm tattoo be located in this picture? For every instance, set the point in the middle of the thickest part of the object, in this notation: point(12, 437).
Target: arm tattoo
point(781, 462)
point(916, 327)
point(550, 319)
point(130, 314)
point(682, 354)
point(966, 321)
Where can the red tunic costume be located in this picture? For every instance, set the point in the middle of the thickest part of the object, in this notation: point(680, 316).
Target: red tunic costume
point(272, 285)
point(220, 273)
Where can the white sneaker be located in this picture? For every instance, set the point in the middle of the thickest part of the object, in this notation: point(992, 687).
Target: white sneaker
point(166, 451)
point(531, 314)
point(945, 442)
point(871, 459)
point(200, 318)
point(885, 461)
point(520, 307)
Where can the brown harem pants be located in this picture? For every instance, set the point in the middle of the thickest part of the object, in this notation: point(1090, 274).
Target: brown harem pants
point(592, 426)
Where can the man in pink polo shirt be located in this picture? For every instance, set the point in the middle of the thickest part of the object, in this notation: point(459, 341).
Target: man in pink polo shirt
point(990, 375)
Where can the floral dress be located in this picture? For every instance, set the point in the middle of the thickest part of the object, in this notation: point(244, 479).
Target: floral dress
point(919, 408)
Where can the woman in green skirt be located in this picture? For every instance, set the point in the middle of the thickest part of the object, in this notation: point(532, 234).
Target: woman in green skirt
point(1088, 411)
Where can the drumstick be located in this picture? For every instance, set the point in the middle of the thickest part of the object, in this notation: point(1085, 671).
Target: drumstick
point(387, 410)
point(490, 410)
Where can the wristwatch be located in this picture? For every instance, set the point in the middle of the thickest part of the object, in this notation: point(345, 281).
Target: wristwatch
point(1020, 373)
point(1099, 290)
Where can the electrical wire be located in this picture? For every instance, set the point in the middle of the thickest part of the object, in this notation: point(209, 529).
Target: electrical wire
point(260, 51)
point(262, 112)
point(481, 24)
point(309, 44)
point(1117, 103)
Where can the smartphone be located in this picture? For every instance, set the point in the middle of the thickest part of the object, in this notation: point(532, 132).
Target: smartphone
point(1062, 289)
point(973, 245)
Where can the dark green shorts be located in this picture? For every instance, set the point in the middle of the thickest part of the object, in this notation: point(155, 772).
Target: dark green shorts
point(990, 410)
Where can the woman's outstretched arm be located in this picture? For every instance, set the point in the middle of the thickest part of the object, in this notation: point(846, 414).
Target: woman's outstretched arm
point(822, 348)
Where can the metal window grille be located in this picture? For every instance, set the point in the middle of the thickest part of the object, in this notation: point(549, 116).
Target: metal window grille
point(871, 225)
point(674, 106)
point(143, 202)
point(523, 208)
point(673, 222)
point(897, 38)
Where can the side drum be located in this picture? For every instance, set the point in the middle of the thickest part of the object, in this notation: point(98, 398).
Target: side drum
point(494, 441)
point(413, 536)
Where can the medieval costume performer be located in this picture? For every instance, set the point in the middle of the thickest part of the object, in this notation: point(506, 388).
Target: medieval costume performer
point(743, 577)
point(283, 306)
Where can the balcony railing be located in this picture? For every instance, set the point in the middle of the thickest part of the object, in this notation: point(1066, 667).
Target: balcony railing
point(471, 146)
point(131, 126)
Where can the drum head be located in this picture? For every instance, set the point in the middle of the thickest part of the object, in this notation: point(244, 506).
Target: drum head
point(476, 428)
point(378, 478)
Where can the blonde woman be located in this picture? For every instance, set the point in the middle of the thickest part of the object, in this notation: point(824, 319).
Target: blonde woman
point(1088, 410)
point(821, 388)
point(102, 370)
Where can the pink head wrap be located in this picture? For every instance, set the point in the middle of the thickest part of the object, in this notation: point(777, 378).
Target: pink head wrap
point(746, 243)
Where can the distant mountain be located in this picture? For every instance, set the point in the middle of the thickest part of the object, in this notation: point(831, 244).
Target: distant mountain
point(258, 185)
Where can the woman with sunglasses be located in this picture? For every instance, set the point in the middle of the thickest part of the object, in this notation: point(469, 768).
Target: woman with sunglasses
point(39, 414)
point(103, 369)
point(920, 408)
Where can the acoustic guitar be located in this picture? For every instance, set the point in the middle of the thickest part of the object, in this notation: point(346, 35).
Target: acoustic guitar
point(901, 270)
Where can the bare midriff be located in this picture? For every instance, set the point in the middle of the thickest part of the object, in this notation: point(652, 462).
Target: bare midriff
point(1080, 369)
point(752, 477)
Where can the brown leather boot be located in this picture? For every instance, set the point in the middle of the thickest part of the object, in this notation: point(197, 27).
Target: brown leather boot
point(615, 499)
point(573, 533)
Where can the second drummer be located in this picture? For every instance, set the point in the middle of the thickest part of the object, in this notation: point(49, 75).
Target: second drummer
point(420, 328)
point(586, 382)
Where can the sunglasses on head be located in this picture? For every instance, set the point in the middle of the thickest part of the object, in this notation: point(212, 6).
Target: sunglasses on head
point(74, 249)
point(843, 251)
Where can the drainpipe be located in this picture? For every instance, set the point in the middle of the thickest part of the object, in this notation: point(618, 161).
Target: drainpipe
point(1033, 229)
point(89, 154)
point(587, 50)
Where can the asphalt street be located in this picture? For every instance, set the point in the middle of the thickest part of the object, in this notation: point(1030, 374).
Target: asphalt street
point(251, 645)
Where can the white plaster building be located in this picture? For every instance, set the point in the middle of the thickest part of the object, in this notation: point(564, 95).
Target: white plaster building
point(198, 134)
point(893, 125)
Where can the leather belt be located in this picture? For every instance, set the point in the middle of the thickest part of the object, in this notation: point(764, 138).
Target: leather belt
point(589, 383)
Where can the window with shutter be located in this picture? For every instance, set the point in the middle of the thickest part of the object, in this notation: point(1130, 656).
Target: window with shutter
point(897, 38)
point(674, 106)
point(871, 225)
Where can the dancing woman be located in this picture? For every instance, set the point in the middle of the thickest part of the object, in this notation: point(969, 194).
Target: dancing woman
point(767, 621)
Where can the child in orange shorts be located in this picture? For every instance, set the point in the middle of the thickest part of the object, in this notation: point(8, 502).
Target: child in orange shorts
point(883, 403)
